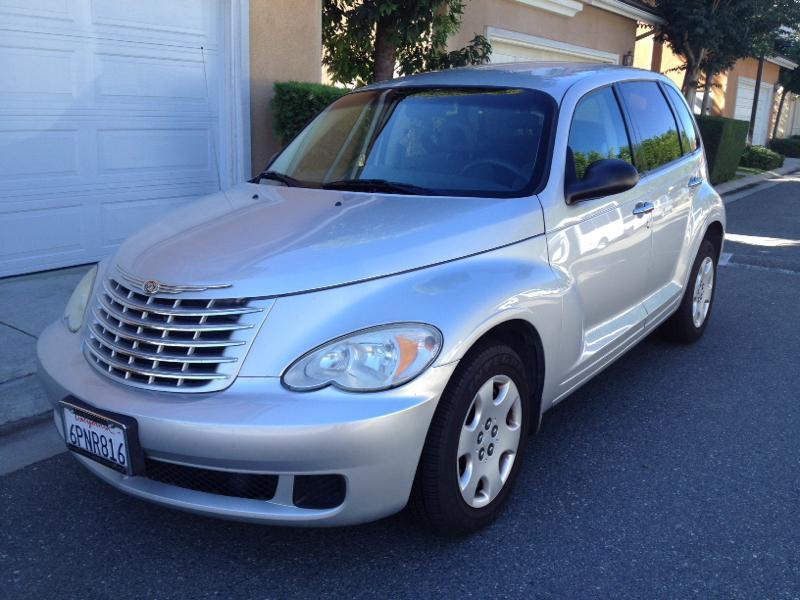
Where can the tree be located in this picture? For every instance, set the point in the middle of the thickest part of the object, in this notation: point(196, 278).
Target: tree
point(713, 34)
point(366, 40)
point(789, 80)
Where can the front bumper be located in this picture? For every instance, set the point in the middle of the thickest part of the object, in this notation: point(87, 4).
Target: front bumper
point(257, 426)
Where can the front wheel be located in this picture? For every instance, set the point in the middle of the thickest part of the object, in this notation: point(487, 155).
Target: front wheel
point(475, 444)
point(689, 321)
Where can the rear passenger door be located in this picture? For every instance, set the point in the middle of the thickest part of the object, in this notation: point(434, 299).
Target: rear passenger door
point(665, 153)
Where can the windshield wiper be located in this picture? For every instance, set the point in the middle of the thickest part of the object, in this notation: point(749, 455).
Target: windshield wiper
point(376, 185)
point(275, 176)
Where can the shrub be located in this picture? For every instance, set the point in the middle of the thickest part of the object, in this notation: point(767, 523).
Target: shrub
point(295, 104)
point(760, 157)
point(724, 141)
point(787, 147)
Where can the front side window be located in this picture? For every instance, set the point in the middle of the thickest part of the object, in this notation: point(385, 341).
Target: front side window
point(597, 131)
point(455, 141)
point(652, 118)
point(688, 133)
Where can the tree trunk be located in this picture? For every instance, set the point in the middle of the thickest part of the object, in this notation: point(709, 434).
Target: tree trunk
point(778, 116)
point(705, 108)
point(756, 93)
point(385, 50)
point(690, 83)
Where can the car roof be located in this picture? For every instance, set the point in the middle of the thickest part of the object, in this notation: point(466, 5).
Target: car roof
point(555, 78)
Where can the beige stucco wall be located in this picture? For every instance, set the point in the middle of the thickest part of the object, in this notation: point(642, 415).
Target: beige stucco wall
point(285, 44)
point(591, 27)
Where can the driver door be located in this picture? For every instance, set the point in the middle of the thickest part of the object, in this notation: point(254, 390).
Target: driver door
point(604, 250)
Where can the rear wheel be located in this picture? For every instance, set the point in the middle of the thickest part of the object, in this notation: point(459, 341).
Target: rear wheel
point(475, 444)
point(690, 320)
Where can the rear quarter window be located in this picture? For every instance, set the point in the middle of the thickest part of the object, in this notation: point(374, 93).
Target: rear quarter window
point(688, 133)
point(658, 142)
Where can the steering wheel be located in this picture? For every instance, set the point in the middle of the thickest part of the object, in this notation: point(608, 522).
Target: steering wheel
point(494, 162)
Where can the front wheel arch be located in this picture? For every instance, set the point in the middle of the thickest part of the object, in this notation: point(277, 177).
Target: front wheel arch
point(523, 338)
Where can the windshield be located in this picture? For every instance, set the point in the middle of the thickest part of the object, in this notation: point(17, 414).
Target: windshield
point(454, 141)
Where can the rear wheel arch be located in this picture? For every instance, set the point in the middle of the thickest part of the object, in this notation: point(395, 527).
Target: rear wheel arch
point(715, 234)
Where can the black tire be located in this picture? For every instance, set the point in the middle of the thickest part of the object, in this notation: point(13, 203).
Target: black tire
point(436, 499)
point(680, 327)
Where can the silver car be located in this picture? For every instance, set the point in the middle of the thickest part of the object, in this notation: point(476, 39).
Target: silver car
point(381, 318)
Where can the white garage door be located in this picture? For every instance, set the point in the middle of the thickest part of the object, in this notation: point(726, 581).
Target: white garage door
point(745, 92)
point(504, 52)
point(512, 46)
point(105, 122)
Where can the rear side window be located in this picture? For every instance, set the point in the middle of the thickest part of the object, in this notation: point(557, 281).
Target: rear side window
point(688, 134)
point(652, 118)
point(597, 131)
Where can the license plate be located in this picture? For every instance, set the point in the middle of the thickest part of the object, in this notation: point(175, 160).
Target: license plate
point(97, 436)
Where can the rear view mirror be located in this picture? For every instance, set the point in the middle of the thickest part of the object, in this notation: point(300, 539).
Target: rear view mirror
point(602, 178)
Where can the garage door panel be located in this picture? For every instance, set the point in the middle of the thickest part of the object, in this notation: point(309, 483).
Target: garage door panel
point(179, 20)
point(745, 92)
point(149, 151)
point(506, 52)
point(168, 81)
point(40, 74)
point(57, 10)
point(26, 153)
point(105, 122)
point(51, 233)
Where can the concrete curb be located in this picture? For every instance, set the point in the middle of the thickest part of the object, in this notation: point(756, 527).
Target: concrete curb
point(791, 165)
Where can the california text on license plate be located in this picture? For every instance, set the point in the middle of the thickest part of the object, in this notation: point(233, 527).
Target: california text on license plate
point(99, 438)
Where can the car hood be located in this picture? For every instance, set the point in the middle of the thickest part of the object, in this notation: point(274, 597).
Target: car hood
point(267, 240)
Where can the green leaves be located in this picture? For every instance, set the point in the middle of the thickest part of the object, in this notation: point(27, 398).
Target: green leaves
point(418, 30)
point(759, 157)
point(714, 34)
point(295, 104)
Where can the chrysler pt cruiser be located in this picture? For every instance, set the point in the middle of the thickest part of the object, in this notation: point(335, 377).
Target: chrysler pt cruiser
point(383, 315)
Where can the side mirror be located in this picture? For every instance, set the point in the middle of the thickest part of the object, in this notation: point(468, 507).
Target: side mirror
point(602, 178)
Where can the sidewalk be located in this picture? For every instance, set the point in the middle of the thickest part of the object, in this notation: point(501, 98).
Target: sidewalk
point(790, 165)
point(27, 305)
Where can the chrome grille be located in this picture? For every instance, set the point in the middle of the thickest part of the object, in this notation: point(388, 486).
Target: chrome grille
point(180, 344)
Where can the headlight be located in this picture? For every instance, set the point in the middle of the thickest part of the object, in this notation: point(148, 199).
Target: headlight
point(76, 307)
point(368, 360)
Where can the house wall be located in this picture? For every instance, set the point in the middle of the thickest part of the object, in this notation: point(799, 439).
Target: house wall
point(285, 44)
point(591, 27)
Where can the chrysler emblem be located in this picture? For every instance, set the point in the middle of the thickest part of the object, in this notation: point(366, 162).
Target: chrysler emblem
point(152, 286)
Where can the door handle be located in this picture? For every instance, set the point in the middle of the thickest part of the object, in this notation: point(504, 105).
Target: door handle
point(695, 181)
point(642, 208)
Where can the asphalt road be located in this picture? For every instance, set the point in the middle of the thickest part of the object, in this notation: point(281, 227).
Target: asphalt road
point(674, 474)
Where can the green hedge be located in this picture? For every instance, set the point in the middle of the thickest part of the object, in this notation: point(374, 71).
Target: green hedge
point(724, 141)
point(787, 147)
point(760, 157)
point(295, 104)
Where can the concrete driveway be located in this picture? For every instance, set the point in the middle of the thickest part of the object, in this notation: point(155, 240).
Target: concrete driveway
point(27, 305)
point(675, 473)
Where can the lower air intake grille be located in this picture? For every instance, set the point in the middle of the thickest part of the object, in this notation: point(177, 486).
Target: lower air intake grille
point(223, 483)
